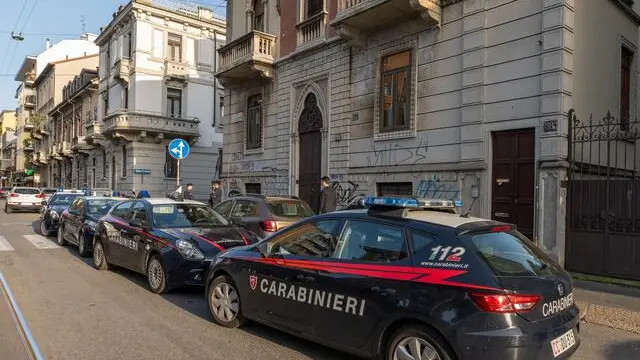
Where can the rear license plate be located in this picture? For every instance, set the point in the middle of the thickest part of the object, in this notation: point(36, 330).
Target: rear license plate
point(563, 343)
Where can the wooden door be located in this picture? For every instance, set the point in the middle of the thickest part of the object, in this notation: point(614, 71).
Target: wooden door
point(513, 178)
point(310, 152)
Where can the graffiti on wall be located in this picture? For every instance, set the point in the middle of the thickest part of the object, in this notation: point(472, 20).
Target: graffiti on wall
point(346, 191)
point(395, 153)
point(435, 188)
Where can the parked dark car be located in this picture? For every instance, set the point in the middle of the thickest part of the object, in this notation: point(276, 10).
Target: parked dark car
point(52, 209)
point(171, 242)
point(264, 215)
point(78, 223)
point(405, 279)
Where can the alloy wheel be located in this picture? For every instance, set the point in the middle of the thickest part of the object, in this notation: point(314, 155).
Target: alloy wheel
point(155, 273)
point(414, 348)
point(98, 254)
point(225, 302)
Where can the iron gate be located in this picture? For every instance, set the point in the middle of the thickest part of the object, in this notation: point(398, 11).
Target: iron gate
point(603, 208)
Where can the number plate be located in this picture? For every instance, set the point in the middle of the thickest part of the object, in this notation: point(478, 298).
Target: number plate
point(563, 343)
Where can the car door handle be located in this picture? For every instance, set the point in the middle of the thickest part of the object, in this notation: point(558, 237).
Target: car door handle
point(383, 291)
point(305, 279)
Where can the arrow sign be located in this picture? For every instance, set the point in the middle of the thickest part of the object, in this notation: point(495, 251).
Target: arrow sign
point(179, 149)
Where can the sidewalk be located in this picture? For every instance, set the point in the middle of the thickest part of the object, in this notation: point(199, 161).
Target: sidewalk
point(614, 306)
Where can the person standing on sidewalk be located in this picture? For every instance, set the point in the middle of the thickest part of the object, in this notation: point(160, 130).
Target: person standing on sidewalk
point(188, 194)
point(215, 197)
point(328, 198)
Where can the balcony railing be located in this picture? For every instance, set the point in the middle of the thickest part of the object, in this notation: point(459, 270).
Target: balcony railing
point(251, 55)
point(355, 17)
point(175, 69)
point(27, 145)
point(29, 123)
point(312, 29)
point(122, 124)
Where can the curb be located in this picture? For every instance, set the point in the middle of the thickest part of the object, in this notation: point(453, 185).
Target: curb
point(613, 317)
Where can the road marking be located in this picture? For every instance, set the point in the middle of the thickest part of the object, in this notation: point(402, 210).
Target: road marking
point(4, 245)
point(41, 242)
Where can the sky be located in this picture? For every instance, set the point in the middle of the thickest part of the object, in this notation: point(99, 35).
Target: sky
point(57, 20)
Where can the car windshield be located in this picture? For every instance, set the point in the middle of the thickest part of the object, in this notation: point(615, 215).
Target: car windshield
point(290, 208)
point(509, 253)
point(26, 191)
point(62, 199)
point(100, 207)
point(186, 215)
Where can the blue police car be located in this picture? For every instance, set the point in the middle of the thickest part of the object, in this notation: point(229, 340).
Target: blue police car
point(402, 279)
point(78, 222)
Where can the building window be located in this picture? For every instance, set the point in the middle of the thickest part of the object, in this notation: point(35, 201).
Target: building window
point(395, 78)
point(175, 47)
point(253, 188)
point(254, 122)
point(258, 15)
point(314, 7)
point(125, 98)
point(170, 166)
point(395, 188)
point(221, 108)
point(93, 174)
point(128, 46)
point(124, 161)
point(106, 104)
point(174, 102)
point(625, 87)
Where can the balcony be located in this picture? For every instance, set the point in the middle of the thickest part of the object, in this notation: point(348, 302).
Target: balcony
point(64, 148)
point(122, 70)
point(43, 157)
point(247, 58)
point(41, 129)
point(175, 70)
point(30, 102)
point(79, 145)
point(27, 146)
point(132, 126)
point(29, 123)
point(357, 17)
point(312, 30)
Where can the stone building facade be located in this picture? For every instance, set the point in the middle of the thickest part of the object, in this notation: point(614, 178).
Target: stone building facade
point(462, 100)
point(156, 83)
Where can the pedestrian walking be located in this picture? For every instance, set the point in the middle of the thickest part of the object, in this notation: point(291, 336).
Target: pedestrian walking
point(328, 198)
point(188, 194)
point(215, 197)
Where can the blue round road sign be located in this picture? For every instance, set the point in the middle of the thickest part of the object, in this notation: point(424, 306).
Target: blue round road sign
point(178, 149)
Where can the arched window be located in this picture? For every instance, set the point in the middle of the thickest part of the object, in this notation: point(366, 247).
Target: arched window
point(124, 161)
point(258, 15)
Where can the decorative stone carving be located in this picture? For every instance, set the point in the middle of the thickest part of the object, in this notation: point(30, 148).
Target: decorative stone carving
point(430, 10)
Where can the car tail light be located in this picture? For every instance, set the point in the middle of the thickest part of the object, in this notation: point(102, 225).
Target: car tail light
point(270, 226)
point(39, 196)
point(13, 195)
point(501, 303)
point(501, 228)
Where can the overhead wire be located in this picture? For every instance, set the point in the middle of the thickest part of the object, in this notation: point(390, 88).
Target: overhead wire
point(13, 53)
point(11, 48)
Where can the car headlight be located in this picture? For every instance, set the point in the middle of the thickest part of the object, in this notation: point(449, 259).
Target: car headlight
point(53, 214)
point(189, 251)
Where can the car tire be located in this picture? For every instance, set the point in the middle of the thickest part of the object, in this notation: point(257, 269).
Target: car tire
point(82, 245)
point(43, 228)
point(403, 341)
point(224, 302)
point(7, 209)
point(99, 258)
point(156, 275)
point(60, 236)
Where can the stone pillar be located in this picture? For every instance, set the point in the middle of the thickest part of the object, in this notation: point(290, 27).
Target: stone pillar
point(552, 200)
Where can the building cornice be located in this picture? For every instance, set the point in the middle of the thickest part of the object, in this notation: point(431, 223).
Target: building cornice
point(625, 6)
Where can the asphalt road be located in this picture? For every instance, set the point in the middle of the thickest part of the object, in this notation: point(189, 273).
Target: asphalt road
point(78, 313)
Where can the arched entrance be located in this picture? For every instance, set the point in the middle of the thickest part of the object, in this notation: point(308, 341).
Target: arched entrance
point(310, 151)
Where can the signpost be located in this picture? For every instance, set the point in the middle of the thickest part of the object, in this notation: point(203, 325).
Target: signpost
point(178, 149)
point(142, 173)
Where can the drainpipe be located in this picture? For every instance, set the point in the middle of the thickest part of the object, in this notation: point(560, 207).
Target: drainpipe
point(215, 80)
point(61, 128)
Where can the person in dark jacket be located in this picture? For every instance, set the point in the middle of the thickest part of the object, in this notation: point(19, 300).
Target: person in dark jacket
point(215, 197)
point(188, 194)
point(328, 197)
